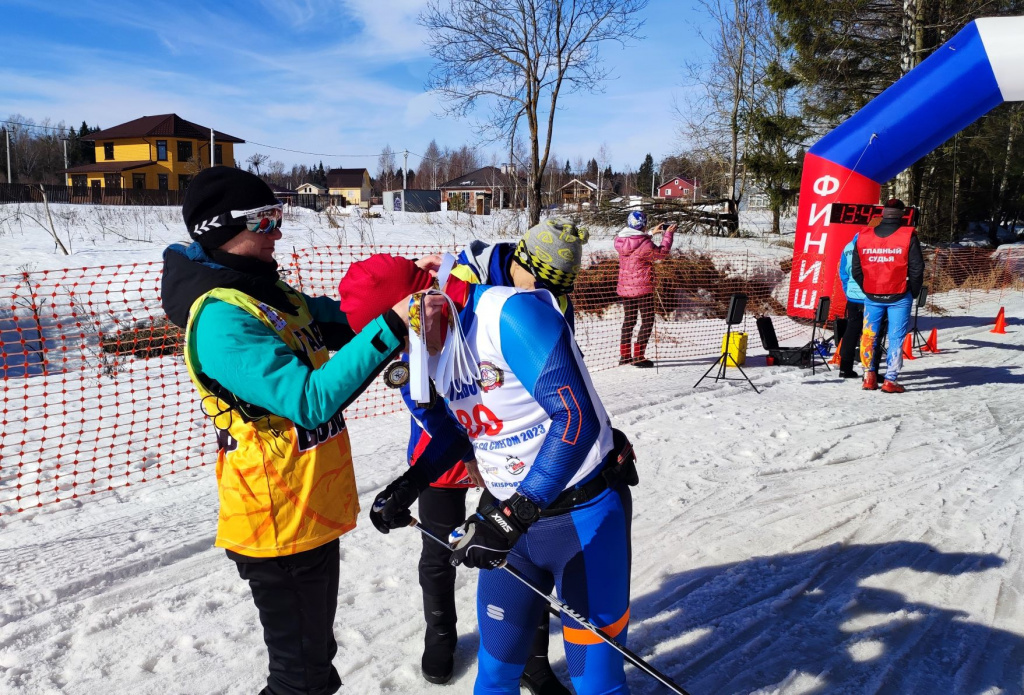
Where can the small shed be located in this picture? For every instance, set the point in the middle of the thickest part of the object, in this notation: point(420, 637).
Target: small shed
point(412, 200)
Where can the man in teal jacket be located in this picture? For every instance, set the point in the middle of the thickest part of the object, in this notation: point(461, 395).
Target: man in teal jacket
point(258, 353)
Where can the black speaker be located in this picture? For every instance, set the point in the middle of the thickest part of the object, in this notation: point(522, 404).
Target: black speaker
point(922, 297)
point(737, 305)
point(821, 315)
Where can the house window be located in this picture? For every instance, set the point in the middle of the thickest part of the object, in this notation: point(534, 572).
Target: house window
point(112, 182)
point(184, 150)
point(183, 180)
point(161, 150)
point(161, 182)
point(79, 184)
point(138, 181)
point(108, 150)
point(218, 154)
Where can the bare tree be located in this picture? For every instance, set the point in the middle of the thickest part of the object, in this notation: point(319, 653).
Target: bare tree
point(256, 160)
point(431, 161)
point(386, 168)
point(516, 57)
point(713, 117)
point(603, 159)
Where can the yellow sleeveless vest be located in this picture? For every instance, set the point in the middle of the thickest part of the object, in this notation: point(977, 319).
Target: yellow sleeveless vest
point(282, 489)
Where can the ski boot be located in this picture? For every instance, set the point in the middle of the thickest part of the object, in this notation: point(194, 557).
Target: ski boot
point(438, 662)
point(539, 679)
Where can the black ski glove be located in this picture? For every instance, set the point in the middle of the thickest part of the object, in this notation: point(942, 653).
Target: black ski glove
point(391, 506)
point(485, 539)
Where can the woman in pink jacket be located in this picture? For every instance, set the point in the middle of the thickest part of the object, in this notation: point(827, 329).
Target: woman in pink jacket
point(637, 254)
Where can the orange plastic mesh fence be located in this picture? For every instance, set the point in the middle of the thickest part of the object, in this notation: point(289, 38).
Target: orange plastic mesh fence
point(96, 395)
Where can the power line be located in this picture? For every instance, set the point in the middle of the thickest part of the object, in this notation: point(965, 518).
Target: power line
point(248, 142)
point(314, 154)
point(40, 127)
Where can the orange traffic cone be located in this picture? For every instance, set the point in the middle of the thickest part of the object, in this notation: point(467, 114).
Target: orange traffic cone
point(908, 348)
point(835, 356)
point(1000, 322)
point(932, 344)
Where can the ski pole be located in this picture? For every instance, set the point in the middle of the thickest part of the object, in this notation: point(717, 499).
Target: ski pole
point(563, 607)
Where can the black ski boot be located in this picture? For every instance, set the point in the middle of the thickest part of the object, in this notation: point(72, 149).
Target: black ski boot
point(539, 679)
point(438, 662)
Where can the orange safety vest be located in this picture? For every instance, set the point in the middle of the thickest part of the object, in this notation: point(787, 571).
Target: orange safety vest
point(884, 261)
point(283, 489)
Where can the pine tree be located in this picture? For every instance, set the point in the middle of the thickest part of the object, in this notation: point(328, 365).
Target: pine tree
point(645, 176)
point(777, 129)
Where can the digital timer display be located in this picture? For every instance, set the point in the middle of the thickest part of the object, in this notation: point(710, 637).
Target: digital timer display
point(863, 214)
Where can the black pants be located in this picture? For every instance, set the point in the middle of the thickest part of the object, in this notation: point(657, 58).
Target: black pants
point(851, 338)
point(442, 510)
point(297, 597)
point(631, 306)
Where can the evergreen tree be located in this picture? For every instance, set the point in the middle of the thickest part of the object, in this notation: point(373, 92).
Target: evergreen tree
point(645, 176)
point(846, 52)
point(777, 129)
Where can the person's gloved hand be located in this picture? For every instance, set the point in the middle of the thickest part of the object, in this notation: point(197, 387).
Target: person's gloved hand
point(485, 539)
point(390, 508)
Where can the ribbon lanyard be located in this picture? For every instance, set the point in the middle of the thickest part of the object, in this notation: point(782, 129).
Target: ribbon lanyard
point(453, 367)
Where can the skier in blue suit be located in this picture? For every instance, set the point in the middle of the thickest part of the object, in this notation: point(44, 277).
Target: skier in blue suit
point(557, 503)
point(442, 506)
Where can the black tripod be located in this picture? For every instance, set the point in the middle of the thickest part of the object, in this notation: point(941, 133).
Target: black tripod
point(820, 322)
point(737, 305)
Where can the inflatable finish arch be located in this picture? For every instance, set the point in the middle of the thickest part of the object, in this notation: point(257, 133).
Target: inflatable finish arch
point(975, 71)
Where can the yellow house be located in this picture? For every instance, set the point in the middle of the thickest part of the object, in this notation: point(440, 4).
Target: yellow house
point(153, 152)
point(354, 184)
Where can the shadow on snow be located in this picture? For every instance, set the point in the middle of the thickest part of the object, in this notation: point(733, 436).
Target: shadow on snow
point(760, 623)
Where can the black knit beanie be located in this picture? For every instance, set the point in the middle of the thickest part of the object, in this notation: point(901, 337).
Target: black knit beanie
point(893, 209)
point(216, 191)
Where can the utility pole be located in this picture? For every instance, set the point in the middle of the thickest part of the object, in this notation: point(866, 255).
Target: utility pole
point(405, 171)
point(7, 134)
point(211, 148)
point(65, 141)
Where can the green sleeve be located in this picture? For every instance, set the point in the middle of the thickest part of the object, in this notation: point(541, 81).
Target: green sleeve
point(325, 309)
point(252, 362)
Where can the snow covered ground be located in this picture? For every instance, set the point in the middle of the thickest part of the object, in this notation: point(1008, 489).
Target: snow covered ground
point(814, 538)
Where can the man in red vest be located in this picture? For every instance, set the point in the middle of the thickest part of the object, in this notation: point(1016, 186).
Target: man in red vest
point(888, 266)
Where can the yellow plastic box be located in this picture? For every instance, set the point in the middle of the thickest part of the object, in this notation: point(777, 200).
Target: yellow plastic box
point(736, 349)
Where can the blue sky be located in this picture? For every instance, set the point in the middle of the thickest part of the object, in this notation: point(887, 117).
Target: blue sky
point(335, 77)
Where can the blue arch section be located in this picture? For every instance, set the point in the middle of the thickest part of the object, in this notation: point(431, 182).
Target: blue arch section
point(948, 91)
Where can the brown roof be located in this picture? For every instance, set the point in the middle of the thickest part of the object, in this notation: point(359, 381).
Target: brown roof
point(281, 190)
point(169, 124)
point(487, 177)
point(105, 167)
point(345, 178)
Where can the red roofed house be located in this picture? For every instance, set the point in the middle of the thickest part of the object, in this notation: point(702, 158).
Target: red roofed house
point(153, 152)
point(679, 187)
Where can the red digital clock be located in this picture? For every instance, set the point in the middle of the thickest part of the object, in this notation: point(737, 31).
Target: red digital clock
point(863, 214)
